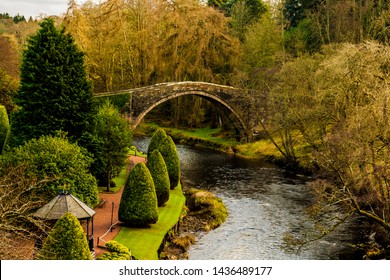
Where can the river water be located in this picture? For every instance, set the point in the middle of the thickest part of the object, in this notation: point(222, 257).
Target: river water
point(264, 203)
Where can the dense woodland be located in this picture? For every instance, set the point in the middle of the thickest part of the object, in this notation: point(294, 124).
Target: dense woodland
point(324, 66)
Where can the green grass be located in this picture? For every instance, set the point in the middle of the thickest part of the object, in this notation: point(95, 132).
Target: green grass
point(210, 138)
point(145, 242)
point(206, 134)
point(133, 152)
point(121, 179)
point(262, 149)
point(258, 149)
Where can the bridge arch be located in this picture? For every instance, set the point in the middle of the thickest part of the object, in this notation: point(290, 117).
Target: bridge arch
point(145, 99)
point(239, 124)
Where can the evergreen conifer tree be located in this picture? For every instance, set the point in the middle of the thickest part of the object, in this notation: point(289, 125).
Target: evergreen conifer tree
point(159, 172)
point(138, 206)
point(156, 139)
point(168, 150)
point(66, 241)
point(54, 91)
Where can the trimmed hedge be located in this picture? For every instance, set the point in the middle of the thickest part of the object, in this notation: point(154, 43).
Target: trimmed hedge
point(117, 251)
point(168, 150)
point(156, 140)
point(159, 172)
point(66, 241)
point(4, 128)
point(138, 206)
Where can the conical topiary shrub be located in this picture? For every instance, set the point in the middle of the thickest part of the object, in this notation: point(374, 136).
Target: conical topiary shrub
point(159, 172)
point(66, 241)
point(138, 206)
point(156, 139)
point(168, 150)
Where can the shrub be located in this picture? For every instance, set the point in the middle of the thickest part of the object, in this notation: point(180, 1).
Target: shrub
point(138, 206)
point(117, 251)
point(66, 241)
point(159, 172)
point(4, 128)
point(55, 157)
point(156, 139)
point(168, 150)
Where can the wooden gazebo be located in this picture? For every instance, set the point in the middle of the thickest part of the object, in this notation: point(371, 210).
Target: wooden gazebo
point(66, 202)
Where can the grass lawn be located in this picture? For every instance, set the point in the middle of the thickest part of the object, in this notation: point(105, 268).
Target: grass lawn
point(259, 149)
point(145, 242)
point(206, 134)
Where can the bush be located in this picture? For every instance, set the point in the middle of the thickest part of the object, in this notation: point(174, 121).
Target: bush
point(55, 157)
point(117, 251)
point(156, 139)
point(159, 172)
point(138, 206)
point(168, 150)
point(4, 128)
point(66, 241)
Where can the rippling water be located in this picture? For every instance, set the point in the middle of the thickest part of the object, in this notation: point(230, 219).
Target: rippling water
point(264, 203)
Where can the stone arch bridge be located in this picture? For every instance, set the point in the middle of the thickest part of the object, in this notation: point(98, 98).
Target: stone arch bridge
point(238, 103)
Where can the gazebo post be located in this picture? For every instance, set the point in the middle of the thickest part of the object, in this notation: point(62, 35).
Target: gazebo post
point(63, 203)
point(87, 229)
point(93, 247)
point(90, 238)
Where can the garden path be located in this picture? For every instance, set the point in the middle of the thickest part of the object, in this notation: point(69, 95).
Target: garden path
point(102, 218)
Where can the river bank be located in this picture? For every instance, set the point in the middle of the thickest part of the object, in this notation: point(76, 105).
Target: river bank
point(204, 212)
point(217, 177)
point(216, 140)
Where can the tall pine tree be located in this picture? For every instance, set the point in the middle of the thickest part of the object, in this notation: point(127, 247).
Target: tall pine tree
point(54, 93)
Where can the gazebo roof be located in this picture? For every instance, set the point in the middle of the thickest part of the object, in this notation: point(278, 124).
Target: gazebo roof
point(62, 204)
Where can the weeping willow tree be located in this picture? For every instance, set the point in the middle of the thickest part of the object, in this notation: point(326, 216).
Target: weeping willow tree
point(136, 43)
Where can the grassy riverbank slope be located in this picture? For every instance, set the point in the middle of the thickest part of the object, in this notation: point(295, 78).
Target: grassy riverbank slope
point(214, 139)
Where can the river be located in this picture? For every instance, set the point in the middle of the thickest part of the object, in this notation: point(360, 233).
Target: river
point(264, 203)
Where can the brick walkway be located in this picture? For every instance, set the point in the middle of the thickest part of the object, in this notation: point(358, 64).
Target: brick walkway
point(102, 219)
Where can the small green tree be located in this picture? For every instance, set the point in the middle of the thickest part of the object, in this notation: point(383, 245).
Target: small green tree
point(168, 150)
point(114, 140)
point(4, 128)
point(156, 139)
point(66, 241)
point(54, 92)
point(159, 172)
point(138, 206)
point(65, 163)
